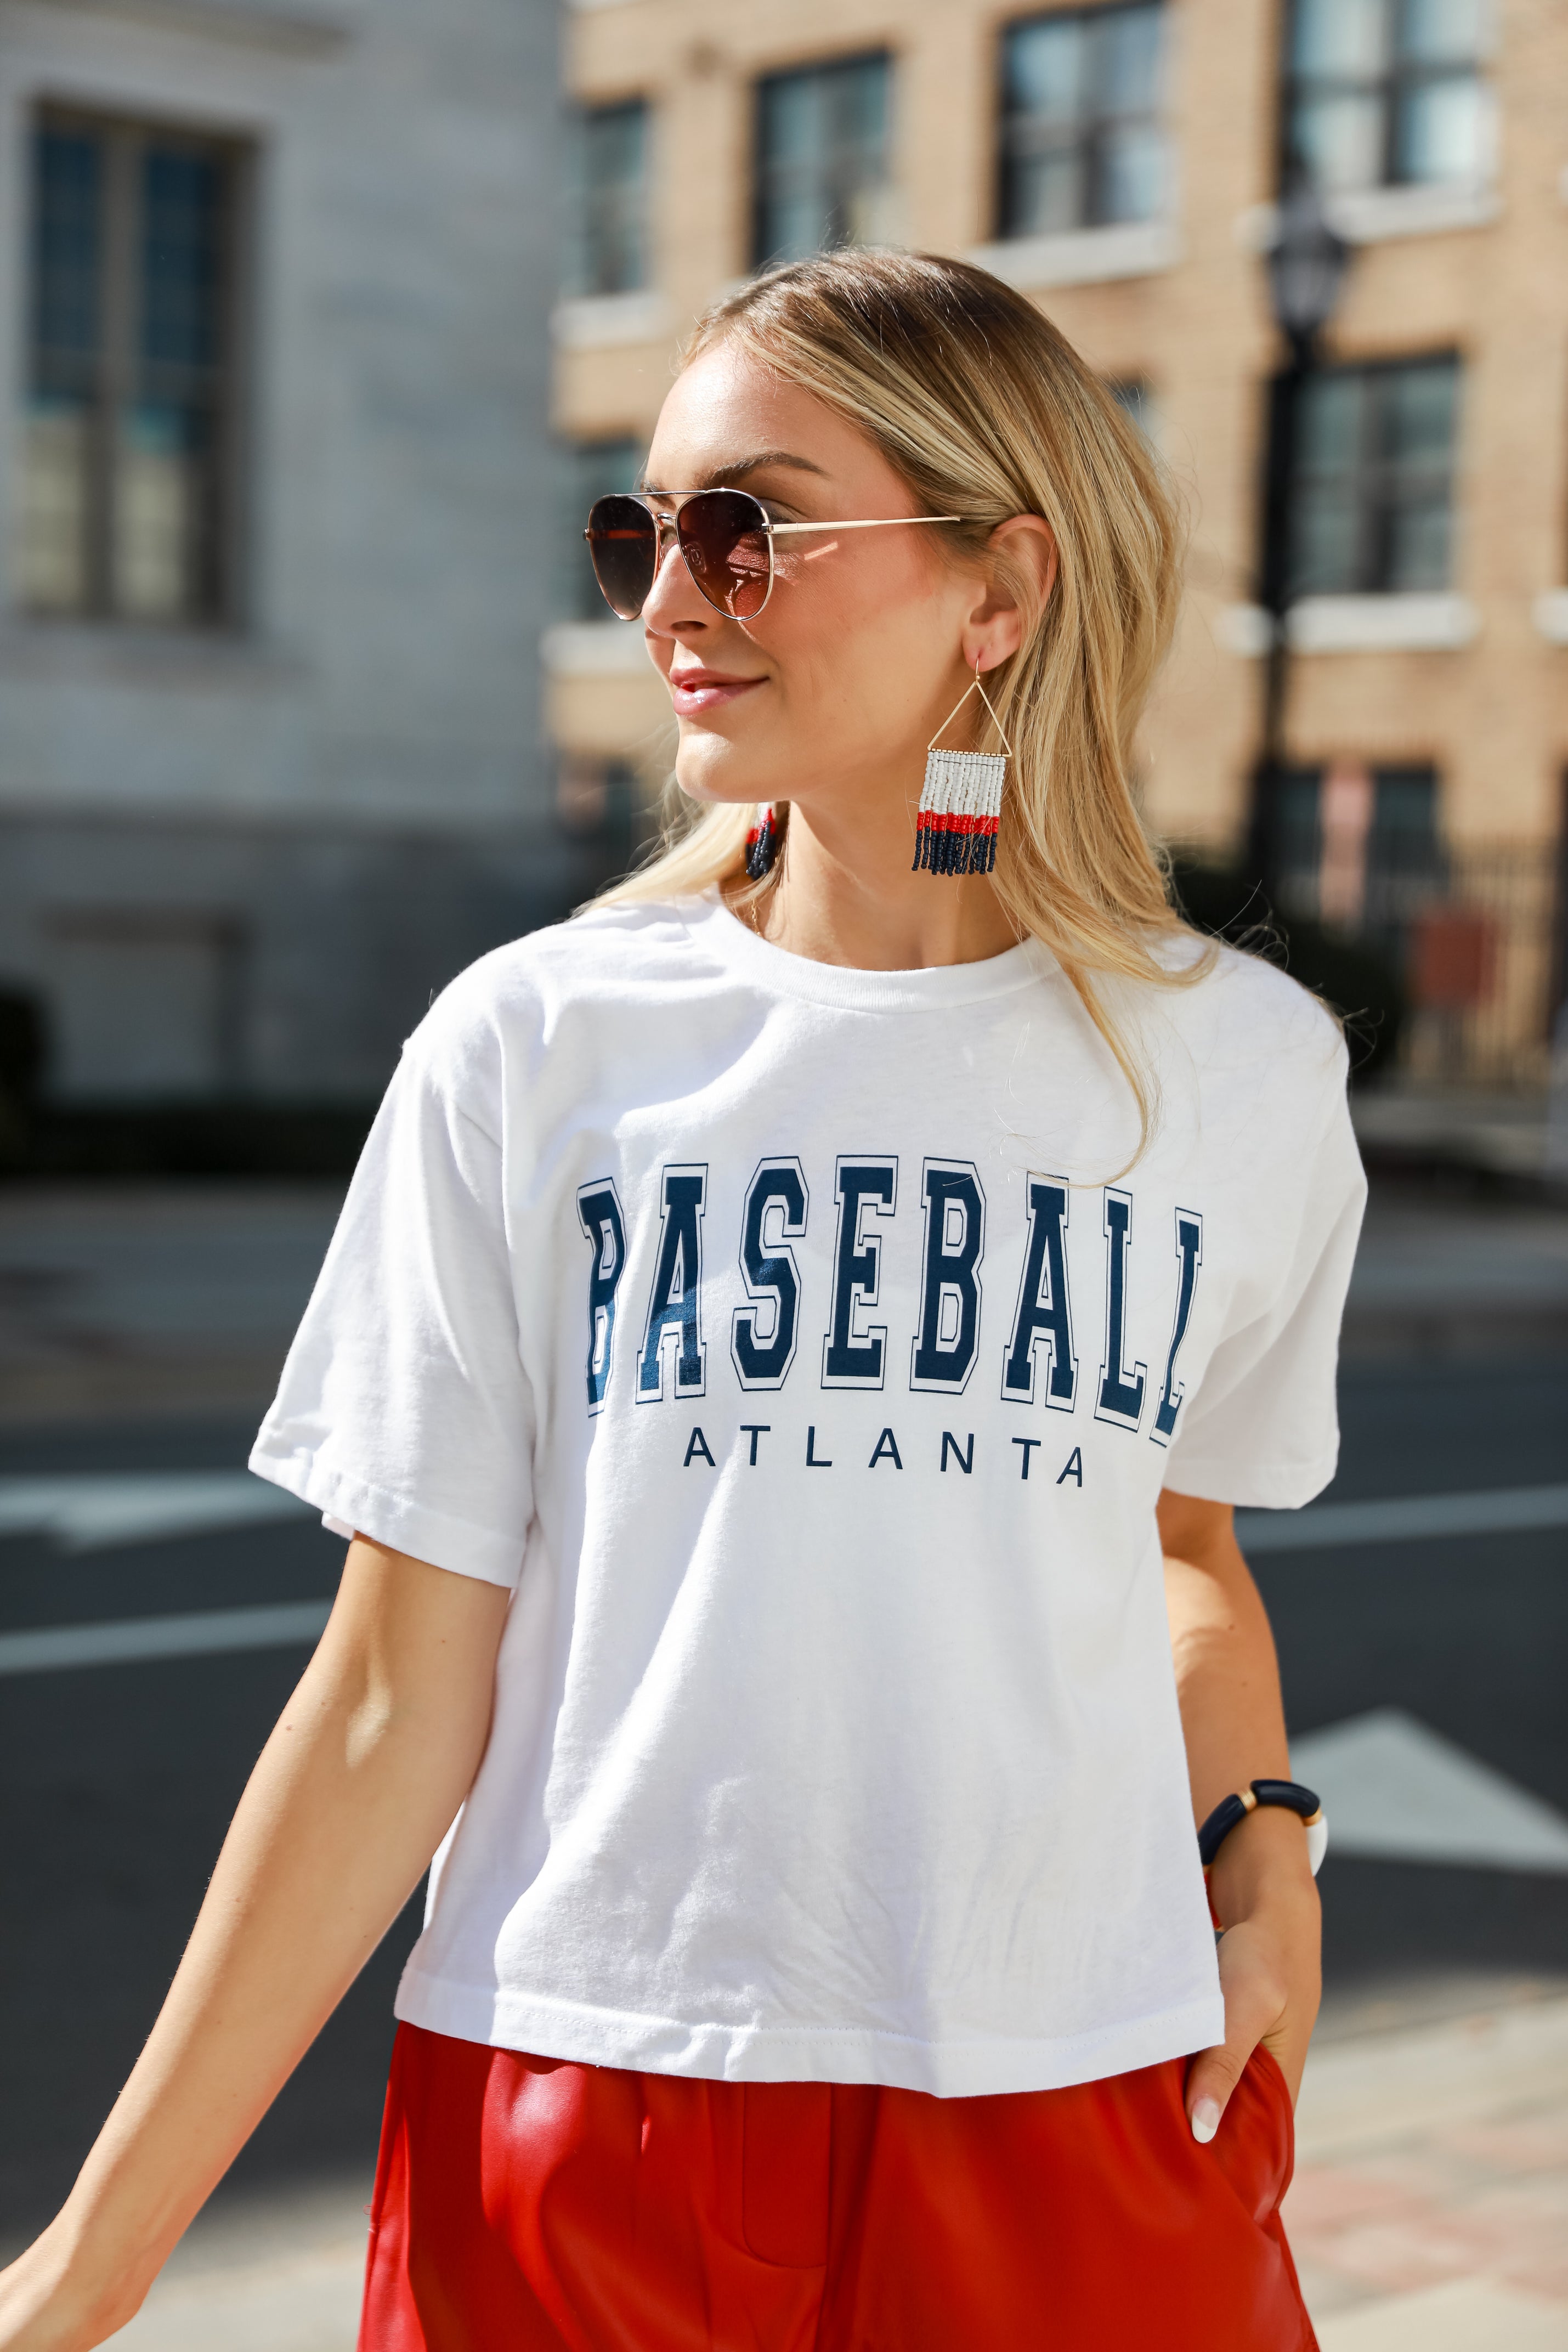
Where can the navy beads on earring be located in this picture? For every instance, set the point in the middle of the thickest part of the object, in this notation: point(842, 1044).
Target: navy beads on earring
point(762, 843)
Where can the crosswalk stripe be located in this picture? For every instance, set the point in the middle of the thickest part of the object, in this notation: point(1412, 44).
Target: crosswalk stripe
point(95, 1510)
point(212, 1633)
point(103, 1510)
point(1396, 1791)
point(1404, 1519)
point(198, 1633)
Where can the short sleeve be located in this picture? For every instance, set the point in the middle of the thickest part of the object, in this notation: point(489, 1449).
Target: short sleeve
point(1263, 1426)
point(404, 1412)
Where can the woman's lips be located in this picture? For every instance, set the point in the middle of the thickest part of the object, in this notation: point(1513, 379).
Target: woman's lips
point(695, 690)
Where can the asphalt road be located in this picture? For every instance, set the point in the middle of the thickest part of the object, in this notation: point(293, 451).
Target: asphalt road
point(1469, 1633)
point(116, 1782)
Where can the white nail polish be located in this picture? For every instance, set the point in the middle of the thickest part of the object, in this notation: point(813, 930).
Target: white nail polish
point(1205, 2120)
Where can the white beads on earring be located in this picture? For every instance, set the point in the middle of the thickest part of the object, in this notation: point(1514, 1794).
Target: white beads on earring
point(961, 800)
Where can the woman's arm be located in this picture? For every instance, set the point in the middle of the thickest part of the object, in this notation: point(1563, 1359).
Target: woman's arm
point(1234, 1723)
point(355, 1789)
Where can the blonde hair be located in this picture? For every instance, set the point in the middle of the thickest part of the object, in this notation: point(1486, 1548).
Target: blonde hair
point(986, 410)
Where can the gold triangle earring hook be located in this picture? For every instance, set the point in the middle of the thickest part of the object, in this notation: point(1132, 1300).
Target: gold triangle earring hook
point(974, 686)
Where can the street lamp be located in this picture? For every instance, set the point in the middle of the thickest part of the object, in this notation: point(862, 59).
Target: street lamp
point(1306, 265)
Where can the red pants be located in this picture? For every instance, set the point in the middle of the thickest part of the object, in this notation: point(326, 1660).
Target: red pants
point(530, 2205)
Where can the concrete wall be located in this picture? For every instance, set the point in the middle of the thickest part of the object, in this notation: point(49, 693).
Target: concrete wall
point(375, 714)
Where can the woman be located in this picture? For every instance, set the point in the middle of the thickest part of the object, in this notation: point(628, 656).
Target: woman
point(770, 1316)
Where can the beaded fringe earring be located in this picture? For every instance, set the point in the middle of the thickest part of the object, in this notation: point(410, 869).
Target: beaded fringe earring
point(961, 800)
point(762, 843)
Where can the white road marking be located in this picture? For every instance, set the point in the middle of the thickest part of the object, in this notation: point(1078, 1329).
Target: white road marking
point(1394, 1789)
point(199, 1633)
point(1404, 1519)
point(94, 1510)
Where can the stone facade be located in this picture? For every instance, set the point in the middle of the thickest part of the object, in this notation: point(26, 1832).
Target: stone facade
point(320, 808)
point(1473, 682)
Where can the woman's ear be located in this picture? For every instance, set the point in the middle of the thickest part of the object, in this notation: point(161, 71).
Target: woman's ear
point(1023, 574)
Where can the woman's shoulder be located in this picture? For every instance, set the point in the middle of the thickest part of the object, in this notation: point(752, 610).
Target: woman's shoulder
point(1254, 1042)
point(602, 950)
point(1241, 1000)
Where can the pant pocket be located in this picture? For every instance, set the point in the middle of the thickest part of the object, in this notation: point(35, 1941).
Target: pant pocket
point(787, 2132)
point(1256, 2146)
point(1279, 2091)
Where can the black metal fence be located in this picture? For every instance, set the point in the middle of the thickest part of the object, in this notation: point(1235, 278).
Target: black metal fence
point(1474, 932)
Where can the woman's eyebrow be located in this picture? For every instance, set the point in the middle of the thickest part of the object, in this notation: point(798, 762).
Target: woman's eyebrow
point(719, 476)
point(765, 457)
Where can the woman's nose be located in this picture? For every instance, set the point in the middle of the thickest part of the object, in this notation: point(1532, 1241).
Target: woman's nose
point(674, 600)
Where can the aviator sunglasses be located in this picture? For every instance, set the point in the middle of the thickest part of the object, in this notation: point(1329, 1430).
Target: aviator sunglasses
point(725, 536)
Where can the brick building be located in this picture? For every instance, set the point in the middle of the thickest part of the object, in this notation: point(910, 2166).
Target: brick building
point(1120, 163)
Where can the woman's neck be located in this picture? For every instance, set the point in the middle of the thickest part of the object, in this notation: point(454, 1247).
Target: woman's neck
point(853, 900)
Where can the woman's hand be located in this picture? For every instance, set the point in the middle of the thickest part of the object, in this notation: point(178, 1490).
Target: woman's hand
point(1269, 1963)
point(1261, 1885)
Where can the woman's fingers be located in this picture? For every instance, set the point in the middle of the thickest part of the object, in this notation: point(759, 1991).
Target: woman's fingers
point(1255, 2005)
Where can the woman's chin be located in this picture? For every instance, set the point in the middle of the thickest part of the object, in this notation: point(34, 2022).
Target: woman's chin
point(707, 769)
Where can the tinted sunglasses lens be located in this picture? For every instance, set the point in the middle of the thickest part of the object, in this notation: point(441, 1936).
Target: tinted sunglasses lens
point(723, 539)
point(624, 545)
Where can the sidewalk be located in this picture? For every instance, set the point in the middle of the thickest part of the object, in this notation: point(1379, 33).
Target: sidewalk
point(278, 2272)
point(1429, 2210)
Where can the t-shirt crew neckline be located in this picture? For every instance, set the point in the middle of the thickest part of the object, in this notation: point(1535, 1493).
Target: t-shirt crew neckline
point(933, 989)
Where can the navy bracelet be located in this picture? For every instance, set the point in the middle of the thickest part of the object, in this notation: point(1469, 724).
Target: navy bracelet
point(1289, 1794)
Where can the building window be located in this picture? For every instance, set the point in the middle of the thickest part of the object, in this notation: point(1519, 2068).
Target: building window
point(1372, 500)
point(126, 500)
point(610, 211)
point(1385, 93)
point(145, 1005)
point(1081, 140)
point(1134, 399)
point(1359, 848)
point(821, 159)
point(594, 469)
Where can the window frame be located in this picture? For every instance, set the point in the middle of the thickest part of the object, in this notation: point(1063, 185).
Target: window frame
point(123, 139)
point(581, 280)
point(762, 256)
point(1375, 517)
point(1395, 81)
point(1090, 135)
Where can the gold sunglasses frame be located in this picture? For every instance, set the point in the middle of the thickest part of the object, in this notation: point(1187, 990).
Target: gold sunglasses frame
point(660, 518)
